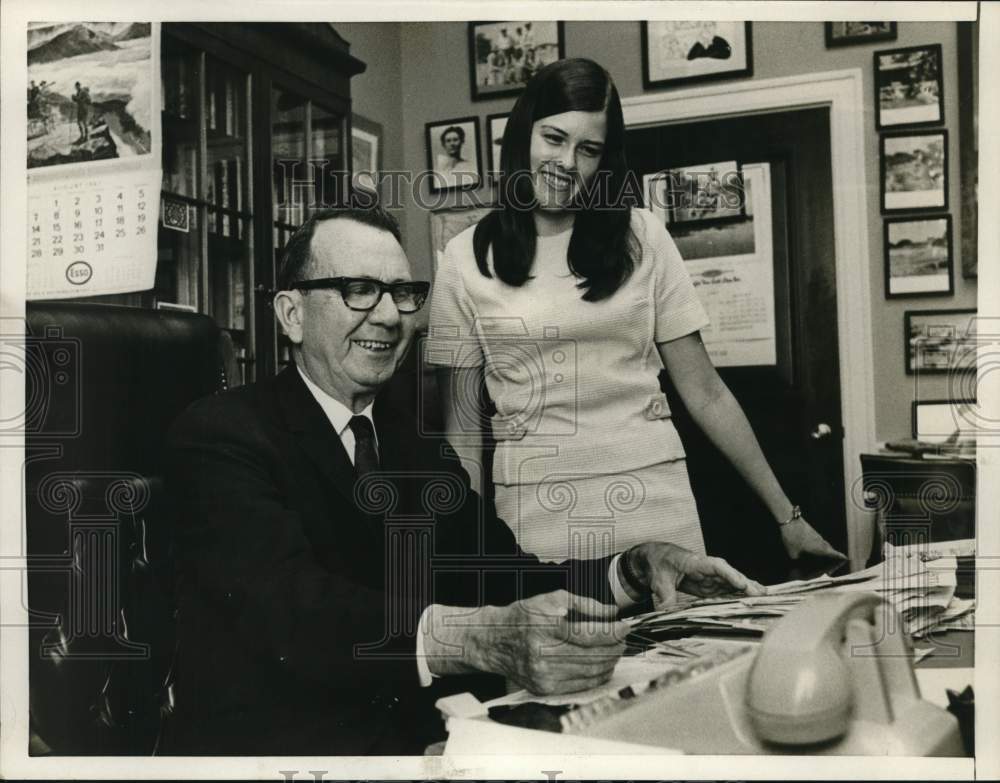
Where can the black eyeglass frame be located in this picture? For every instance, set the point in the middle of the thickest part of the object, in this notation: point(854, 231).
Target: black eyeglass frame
point(420, 288)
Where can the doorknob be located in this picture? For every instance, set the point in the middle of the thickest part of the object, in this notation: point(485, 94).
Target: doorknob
point(823, 430)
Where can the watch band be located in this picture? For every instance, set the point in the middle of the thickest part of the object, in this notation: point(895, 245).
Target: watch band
point(630, 576)
point(796, 514)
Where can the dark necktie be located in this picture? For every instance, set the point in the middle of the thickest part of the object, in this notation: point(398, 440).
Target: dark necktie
point(365, 455)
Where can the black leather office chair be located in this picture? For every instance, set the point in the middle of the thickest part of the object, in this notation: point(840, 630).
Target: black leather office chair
point(103, 384)
point(918, 500)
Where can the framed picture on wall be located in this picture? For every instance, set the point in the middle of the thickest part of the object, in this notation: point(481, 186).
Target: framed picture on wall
point(453, 156)
point(914, 171)
point(918, 260)
point(909, 87)
point(851, 33)
point(366, 151)
point(701, 193)
point(495, 125)
point(503, 56)
point(940, 341)
point(449, 222)
point(687, 51)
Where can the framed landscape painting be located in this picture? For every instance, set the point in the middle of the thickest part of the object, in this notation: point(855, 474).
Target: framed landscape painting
point(918, 257)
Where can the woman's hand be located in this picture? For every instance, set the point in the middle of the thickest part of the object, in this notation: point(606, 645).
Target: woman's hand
point(800, 538)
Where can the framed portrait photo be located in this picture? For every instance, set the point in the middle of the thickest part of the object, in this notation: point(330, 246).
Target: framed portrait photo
point(914, 171)
point(685, 51)
point(852, 33)
point(495, 125)
point(940, 341)
point(453, 155)
point(909, 87)
point(918, 257)
point(503, 56)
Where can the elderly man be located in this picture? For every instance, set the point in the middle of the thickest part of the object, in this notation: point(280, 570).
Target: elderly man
point(334, 565)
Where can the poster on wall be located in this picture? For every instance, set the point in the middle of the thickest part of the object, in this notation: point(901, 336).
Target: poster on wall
point(93, 157)
point(731, 266)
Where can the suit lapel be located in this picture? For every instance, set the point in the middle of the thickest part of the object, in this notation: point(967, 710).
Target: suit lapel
point(314, 433)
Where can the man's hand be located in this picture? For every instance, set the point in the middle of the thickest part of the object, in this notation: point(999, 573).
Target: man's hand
point(666, 568)
point(800, 538)
point(551, 643)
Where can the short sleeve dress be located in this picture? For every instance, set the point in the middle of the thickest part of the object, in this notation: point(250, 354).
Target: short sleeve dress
point(588, 461)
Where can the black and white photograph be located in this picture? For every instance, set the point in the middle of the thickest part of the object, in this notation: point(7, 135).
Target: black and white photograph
point(90, 92)
point(940, 341)
point(359, 420)
point(918, 260)
point(852, 33)
point(914, 169)
point(910, 87)
point(495, 125)
point(503, 56)
point(679, 52)
point(453, 155)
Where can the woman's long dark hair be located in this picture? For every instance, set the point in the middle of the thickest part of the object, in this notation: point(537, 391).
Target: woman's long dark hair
point(602, 250)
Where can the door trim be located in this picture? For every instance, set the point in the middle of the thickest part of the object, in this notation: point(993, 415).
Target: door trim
point(843, 92)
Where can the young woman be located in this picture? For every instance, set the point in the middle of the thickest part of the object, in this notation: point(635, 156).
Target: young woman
point(566, 303)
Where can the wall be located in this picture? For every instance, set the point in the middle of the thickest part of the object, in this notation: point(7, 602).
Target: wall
point(435, 86)
point(376, 94)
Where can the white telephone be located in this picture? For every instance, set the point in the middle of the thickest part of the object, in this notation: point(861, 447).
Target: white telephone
point(834, 676)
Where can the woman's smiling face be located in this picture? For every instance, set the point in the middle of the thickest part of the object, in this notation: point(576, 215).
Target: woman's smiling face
point(566, 151)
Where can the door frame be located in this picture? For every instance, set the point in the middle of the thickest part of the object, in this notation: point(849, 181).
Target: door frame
point(843, 92)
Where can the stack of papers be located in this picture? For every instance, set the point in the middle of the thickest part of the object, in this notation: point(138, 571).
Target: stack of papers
point(919, 581)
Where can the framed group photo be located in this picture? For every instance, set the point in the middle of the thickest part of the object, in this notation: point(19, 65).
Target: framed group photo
point(495, 126)
point(852, 33)
point(914, 171)
point(453, 155)
point(909, 89)
point(688, 51)
point(940, 341)
point(918, 257)
point(503, 56)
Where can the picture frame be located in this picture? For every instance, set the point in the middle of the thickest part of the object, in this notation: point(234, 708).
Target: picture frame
point(366, 150)
point(932, 420)
point(451, 164)
point(697, 194)
point(854, 33)
point(448, 222)
point(918, 258)
point(909, 87)
point(682, 52)
point(495, 125)
point(939, 341)
point(504, 55)
point(913, 169)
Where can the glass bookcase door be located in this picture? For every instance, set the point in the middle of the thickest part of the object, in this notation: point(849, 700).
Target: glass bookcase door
point(230, 278)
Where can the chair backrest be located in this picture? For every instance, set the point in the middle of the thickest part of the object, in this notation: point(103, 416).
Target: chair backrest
point(919, 499)
point(103, 384)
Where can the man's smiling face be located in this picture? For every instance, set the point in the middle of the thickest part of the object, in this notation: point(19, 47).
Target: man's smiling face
point(347, 353)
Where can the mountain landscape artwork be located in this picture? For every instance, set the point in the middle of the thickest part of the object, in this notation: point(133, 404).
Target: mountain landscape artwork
point(90, 88)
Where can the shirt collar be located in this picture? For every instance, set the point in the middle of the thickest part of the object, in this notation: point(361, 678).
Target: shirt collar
point(338, 413)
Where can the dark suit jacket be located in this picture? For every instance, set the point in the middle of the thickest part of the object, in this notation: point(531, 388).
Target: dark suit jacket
point(299, 589)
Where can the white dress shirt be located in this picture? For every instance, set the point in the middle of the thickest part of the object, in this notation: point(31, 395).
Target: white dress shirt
point(340, 417)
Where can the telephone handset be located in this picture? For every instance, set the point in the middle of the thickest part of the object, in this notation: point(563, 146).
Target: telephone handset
point(834, 676)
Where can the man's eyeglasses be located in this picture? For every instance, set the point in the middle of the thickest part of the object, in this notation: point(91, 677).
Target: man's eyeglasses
point(364, 293)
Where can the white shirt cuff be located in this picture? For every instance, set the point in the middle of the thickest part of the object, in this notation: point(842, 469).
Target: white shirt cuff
point(423, 670)
point(622, 600)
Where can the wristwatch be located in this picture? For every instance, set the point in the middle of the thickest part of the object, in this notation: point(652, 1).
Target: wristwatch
point(796, 514)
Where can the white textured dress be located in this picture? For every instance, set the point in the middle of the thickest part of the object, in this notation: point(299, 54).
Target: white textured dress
point(588, 461)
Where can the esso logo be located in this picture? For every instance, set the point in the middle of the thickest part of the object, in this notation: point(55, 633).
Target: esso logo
point(79, 272)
